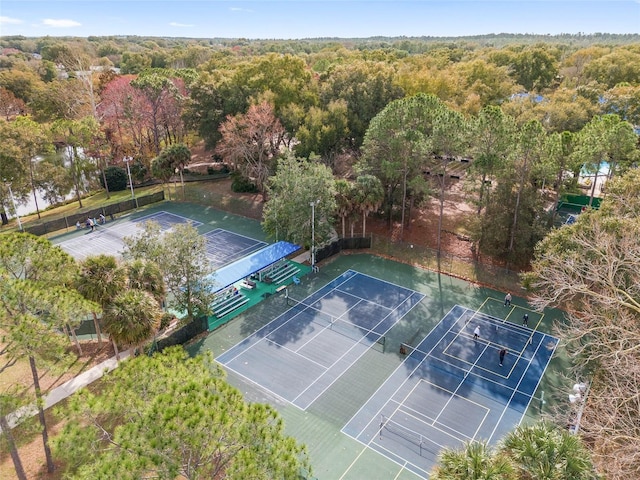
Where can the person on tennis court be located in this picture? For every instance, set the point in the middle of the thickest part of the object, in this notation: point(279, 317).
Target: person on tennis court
point(503, 352)
point(476, 333)
point(507, 300)
point(525, 320)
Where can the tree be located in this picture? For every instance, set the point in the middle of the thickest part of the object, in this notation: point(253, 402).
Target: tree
point(513, 221)
point(345, 201)
point(555, 164)
point(101, 279)
point(323, 132)
point(172, 158)
point(146, 276)
point(295, 185)
point(8, 404)
point(396, 147)
point(369, 196)
point(475, 461)
point(479, 84)
point(10, 106)
point(161, 94)
point(131, 318)
point(543, 451)
point(38, 301)
point(76, 59)
point(491, 140)
point(536, 67)
point(367, 87)
point(171, 416)
point(591, 271)
point(74, 135)
point(621, 65)
point(606, 139)
point(182, 258)
point(449, 142)
point(251, 142)
point(624, 101)
point(540, 451)
point(22, 141)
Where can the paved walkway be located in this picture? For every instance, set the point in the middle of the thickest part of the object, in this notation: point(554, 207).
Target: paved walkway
point(66, 389)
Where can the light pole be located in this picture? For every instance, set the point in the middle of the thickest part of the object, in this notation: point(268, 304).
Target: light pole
point(15, 209)
point(313, 234)
point(127, 160)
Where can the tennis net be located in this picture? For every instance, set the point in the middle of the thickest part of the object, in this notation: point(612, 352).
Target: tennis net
point(342, 327)
point(394, 429)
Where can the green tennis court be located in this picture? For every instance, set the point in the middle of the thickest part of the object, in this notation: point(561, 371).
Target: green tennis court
point(319, 419)
point(333, 453)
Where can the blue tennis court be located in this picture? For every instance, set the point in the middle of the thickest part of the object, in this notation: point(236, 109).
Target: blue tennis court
point(301, 353)
point(451, 388)
point(224, 247)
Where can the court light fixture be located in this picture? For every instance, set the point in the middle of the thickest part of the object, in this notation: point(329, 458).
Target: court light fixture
point(313, 233)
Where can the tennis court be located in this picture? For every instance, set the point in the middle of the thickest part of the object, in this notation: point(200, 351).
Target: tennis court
point(108, 239)
point(451, 389)
point(224, 247)
point(301, 353)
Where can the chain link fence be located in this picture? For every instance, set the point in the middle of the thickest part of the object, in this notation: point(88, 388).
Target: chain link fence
point(500, 278)
point(109, 211)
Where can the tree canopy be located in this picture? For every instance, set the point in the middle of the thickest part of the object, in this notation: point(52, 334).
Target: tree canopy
point(590, 270)
point(173, 416)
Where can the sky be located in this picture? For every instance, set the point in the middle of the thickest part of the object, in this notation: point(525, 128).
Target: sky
point(298, 19)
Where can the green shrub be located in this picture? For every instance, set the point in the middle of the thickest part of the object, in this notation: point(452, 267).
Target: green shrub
point(240, 184)
point(116, 178)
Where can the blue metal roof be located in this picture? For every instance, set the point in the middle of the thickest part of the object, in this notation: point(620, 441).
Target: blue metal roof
point(236, 271)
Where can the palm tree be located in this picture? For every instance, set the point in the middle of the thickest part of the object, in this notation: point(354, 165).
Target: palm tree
point(475, 461)
point(146, 275)
point(100, 280)
point(132, 318)
point(543, 451)
point(369, 196)
point(344, 199)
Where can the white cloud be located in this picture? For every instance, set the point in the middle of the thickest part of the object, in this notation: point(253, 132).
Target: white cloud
point(238, 9)
point(176, 24)
point(60, 23)
point(9, 21)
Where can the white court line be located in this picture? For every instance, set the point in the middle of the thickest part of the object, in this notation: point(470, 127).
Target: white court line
point(363, 352)
point(384, 281)
point(348, 351)
point(461, 382)
point(408, 376)
point(284, 347)
point(521, 378)
point(324, 328)
point(265, 327)
point(262, 387)
point(168, 214)
point(431, 423)
point(380, 446)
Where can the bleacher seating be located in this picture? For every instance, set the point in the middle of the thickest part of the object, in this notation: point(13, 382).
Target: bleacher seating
point(285, 273)
point(228, 302)
point(279, 272)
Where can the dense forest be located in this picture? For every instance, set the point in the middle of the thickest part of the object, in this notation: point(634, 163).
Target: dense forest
point(529, 112)
point(357, 127)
